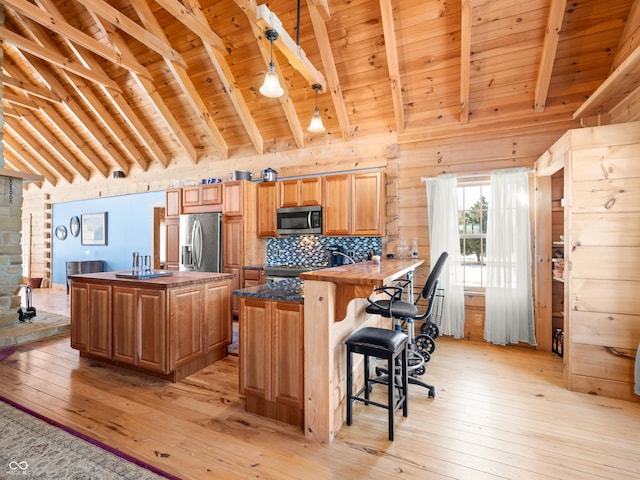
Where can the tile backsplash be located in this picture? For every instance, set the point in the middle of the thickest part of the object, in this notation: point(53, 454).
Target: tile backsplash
point(306, 250)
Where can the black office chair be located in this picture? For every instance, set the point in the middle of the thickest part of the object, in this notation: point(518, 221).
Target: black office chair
point(405, 313)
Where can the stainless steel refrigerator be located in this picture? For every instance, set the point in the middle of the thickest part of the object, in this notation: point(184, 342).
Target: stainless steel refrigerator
point(201, 242)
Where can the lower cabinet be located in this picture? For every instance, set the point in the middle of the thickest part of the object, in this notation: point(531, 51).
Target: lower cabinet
point(272, 358)
point(171, 332)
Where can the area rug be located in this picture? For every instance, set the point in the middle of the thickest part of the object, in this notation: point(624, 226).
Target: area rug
point(32, 446)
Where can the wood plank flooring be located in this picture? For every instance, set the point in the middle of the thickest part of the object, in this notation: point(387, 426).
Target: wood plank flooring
point(498, 413)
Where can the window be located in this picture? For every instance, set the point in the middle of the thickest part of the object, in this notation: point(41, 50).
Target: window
point(473, 203)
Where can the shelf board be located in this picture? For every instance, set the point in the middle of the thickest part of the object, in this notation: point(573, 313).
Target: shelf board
point(558, 244)
point(558, 279)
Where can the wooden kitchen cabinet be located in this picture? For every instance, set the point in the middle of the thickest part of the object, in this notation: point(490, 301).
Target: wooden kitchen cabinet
point(336, 215)
point(272, 358)
point(240, 245)
point(254, 276)
point(267, 207)
point(354, 204)
point(139, 327)
point(92, 304)
point(169, 327)
point(172, 243)
point(202, 198)
point(301, 192)
point(173, 203)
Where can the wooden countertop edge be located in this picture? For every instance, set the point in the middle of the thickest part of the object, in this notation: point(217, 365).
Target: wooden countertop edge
point(178, 279)
point(358, 280)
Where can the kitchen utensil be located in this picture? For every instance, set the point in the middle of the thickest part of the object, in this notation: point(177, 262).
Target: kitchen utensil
point(241, 175)
point(269, 175)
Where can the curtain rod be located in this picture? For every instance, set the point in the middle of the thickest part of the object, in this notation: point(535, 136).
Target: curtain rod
point(472, 175)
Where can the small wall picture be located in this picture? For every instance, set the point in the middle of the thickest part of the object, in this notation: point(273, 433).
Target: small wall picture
point(94, 229)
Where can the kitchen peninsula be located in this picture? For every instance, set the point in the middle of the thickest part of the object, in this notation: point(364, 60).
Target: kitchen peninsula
point(169, 326)
point(295, 332)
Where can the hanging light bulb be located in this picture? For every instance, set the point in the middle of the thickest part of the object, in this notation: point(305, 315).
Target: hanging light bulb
point(271, 86)
point(316, 122)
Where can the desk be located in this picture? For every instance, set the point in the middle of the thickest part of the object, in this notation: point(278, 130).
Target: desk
point(334, 308)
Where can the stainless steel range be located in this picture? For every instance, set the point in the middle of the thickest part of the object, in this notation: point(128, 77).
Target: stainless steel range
point(282, 272)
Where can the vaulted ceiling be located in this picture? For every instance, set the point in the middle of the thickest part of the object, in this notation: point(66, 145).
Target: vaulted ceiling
point(93, 86)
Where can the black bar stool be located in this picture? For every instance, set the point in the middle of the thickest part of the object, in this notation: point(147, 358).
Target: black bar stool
point(390, 345)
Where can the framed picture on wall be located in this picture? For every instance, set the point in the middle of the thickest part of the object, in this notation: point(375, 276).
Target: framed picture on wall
point(94, 229)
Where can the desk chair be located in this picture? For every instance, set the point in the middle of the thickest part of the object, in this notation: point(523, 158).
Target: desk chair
point(405, 314)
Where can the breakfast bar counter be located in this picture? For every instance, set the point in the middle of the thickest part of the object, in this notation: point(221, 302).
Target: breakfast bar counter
point(334, 308)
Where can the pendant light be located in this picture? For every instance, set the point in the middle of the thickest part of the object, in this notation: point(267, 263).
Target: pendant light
point(271, 86)
point(316, 122)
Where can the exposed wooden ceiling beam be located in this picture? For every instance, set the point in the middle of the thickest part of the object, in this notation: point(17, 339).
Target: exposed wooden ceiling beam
point(22, 100)
point(183, 79)
point(622, 82)
point(92, 102)
point(30, 162)
point(136, 126)
point(69, 157)
point(267, 20)
point(127, 25)
point(329, 64)
point(231, 88)
point(43, 93)
point(549, 49)
point(58, 24)
point(630, 37)
point(465, 60)
point(388, 27)
point(322, 7)
point(23, 44)
point(73, 109)
point(38, 149)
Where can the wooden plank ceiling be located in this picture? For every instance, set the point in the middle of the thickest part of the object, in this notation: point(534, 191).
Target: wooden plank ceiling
point(93, 86)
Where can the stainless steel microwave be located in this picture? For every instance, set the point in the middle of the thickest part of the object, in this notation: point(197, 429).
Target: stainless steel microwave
point(299, 220)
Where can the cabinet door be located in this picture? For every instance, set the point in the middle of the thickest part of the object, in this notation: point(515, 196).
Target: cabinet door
point(310, 191)
point(151, 329)
point(211, 194)
point(267, 203)
point(289, 193)
point(337, 210)
point(191, 196)
point(186, 310)
point(367, 203)
point(232, 203)
point(287, 354)
point(232, 241)
point(217, 315)
point(124, 325)
point(100, 326)
point(173, 205)
point(79, 315)
point(172, 244)
point(255, 348)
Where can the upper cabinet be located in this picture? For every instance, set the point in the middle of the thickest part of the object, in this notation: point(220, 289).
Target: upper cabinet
point(173, 207)
point(267, 206)
point(202, 198)
point(354, 204)
point(301, 192)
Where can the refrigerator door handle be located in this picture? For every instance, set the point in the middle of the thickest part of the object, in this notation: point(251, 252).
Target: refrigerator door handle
point(196, 238)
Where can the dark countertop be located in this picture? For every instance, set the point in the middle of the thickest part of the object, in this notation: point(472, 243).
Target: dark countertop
point(290, 290)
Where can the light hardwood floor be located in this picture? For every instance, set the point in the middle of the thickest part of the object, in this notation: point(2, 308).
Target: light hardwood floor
point(498, 413)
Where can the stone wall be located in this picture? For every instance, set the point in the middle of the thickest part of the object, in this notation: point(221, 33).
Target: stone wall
point(10, 249)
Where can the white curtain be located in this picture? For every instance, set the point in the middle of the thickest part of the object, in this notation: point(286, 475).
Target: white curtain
point(444, 236)
point(509, 301)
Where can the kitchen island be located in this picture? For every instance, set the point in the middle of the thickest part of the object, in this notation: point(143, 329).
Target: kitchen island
point(292, 355)
point(169, 326)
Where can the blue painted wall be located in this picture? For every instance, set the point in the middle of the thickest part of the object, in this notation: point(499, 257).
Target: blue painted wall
point(129, 229)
